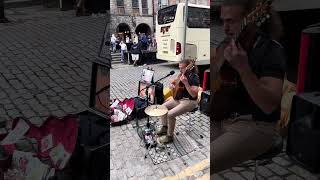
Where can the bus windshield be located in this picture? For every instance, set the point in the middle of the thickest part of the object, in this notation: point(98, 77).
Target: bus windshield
point(167, 15)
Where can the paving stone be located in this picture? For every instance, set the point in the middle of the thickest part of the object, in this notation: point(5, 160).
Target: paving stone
point(238, 168)
point(8, 106)
point(281, 161)
point(28, 113)
point(2, 111)
point(2, 94)
point(293, 177)
point(13, 113)
point(232, 175)
point(275, 178)
point(277, 169)
point(168, 172)
point(302, 172)
point(263, 171)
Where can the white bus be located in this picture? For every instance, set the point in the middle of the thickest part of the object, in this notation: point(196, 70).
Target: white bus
point(170, 32)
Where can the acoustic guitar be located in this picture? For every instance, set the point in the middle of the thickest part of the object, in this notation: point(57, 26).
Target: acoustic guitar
point(177, 91)
point(224, 77)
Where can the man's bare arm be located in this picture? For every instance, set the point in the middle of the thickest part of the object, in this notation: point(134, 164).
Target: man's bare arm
point(266, 92)
point(192, 90)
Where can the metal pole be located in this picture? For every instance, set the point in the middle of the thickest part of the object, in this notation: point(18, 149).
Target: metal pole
point(185, 29)
point(153, 21)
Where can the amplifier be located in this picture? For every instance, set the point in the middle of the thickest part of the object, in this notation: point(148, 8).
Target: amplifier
point(308, 73)
point(303, 143)
point(206, 80)
point(205, 103)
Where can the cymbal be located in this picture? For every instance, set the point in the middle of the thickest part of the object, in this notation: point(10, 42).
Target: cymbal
point(156, 110)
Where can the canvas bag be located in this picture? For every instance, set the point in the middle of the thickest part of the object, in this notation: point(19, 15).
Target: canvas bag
point(121, 111)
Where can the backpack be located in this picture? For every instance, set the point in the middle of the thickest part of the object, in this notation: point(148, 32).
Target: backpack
point(144, 40)
point(121, 111)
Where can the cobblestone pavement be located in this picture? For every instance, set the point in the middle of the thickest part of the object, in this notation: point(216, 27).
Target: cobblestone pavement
point(45, 62)
point(127, 153)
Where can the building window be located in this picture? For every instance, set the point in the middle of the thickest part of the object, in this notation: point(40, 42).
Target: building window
point(144, 7)
point(135, 11)
point(135, 3)
point(120, 10)
point(120, 4)
point(135, 7)
point(164, 3)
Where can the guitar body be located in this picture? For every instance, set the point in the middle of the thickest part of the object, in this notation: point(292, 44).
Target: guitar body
point(177, 92)
point(224, 88)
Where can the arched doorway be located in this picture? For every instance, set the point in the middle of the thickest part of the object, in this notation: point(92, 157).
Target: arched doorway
point(123, 30)
point(143, 28)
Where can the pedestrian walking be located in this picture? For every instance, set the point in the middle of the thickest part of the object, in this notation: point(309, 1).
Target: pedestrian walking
point(113, 42)
point(123, 48)
point(135, 52)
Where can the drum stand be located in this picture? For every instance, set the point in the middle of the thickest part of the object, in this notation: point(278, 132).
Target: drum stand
point(149, 133)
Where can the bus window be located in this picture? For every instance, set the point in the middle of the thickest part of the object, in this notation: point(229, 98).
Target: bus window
point(167, 15)
point(198, 17)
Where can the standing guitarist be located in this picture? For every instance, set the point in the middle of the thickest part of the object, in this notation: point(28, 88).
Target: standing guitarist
point(180, 105)
point(260, 74)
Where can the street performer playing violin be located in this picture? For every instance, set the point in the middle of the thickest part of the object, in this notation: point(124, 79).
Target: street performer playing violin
point(185, 93)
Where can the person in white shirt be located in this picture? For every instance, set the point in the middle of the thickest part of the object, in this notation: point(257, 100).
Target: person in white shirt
point(135, 51)
point(123, 50)
point(113, 42)
point(127, 39)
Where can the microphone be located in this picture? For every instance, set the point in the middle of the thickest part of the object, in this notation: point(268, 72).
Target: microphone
point(171, 73)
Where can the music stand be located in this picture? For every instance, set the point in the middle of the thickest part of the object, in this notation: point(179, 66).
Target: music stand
point(147, 75)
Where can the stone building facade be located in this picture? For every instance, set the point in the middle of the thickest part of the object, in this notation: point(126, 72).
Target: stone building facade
point(129, 17)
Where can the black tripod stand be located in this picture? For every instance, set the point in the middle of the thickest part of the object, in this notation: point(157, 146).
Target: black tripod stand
point(148, 134)
point(148, 128)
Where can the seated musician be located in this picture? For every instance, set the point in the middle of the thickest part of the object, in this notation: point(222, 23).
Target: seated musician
point(177, 106)
point(260, 73)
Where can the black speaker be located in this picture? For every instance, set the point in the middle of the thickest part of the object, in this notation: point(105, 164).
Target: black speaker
point(303, 143)
point(159, 93)
point(92, 155)
point(205, 103)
